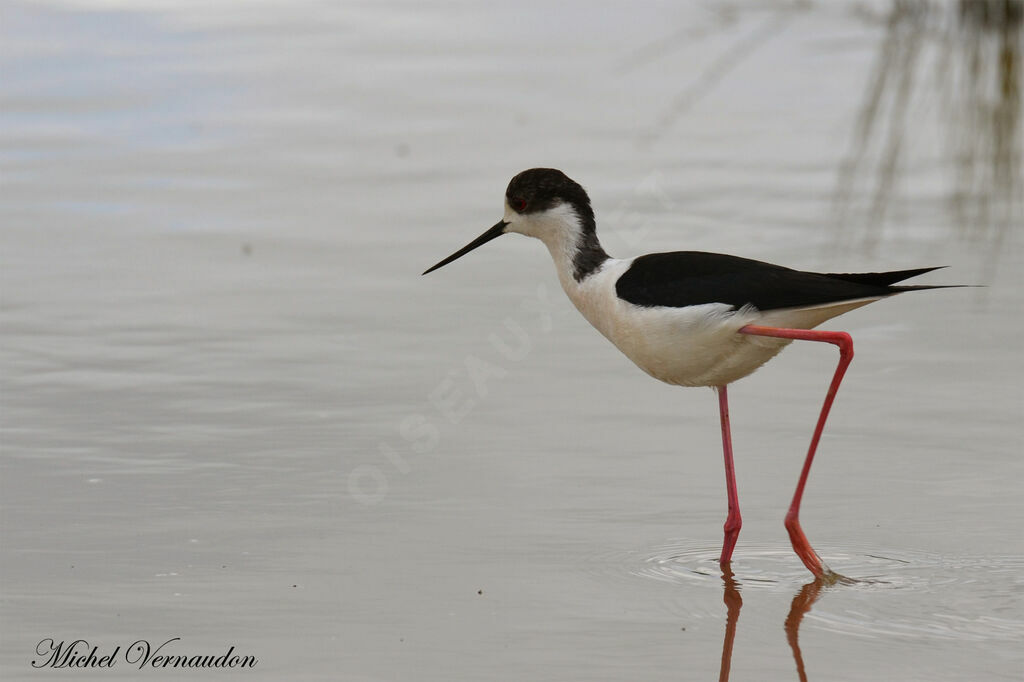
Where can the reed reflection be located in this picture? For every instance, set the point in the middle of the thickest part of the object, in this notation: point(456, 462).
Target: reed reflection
point(962, 61)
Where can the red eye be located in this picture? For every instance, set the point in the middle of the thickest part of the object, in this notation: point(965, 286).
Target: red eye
point(517, 203)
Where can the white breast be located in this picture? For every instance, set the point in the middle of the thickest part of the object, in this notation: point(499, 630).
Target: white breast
point(689, 346)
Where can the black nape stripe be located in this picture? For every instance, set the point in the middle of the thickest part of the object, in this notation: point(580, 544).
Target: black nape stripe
point(589, 257)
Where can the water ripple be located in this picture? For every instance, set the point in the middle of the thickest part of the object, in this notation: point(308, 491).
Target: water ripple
point(977, 598)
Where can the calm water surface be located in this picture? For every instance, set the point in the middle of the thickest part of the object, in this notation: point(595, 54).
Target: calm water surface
point(234, 412)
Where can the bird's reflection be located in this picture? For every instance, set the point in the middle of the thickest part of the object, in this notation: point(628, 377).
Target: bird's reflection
point(733, 604)
point(801, 605)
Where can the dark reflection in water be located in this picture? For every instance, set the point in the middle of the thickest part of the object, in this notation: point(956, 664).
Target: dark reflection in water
point(962, 61)
point(801, 605)
point(733, 604)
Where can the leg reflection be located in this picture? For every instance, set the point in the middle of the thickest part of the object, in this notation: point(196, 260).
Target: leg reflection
point(802, 603)
point(808, 595)
point(733, 604)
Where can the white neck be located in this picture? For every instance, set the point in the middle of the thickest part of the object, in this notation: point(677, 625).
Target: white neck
point(561, 231)
point(563, 244)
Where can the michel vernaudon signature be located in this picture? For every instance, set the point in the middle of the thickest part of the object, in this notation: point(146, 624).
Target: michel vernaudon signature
point(140, 654)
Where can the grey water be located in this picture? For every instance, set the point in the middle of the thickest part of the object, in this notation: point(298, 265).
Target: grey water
point(234, 413)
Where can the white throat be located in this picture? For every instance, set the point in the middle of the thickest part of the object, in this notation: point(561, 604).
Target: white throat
point(560, 230)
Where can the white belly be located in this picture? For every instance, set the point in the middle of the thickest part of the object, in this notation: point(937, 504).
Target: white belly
point(691, 346)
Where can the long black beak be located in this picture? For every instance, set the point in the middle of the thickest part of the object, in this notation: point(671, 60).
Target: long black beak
point(487, 236)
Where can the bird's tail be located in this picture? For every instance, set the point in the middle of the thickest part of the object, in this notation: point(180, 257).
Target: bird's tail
point(922, 287)
point(882, 279)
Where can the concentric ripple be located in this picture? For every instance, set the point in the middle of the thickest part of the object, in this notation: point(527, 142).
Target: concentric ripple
point(976, 598)
point(773, 566)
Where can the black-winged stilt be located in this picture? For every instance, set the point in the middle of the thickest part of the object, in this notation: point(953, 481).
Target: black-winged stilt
point(691, 318)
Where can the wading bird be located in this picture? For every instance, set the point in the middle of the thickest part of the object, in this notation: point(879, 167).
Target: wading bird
point(691, 318)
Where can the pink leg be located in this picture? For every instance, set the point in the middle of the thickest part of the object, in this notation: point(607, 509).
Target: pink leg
point(733, 521)
point(796, 534)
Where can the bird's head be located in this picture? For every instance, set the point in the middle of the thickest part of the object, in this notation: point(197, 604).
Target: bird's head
point(543, 203)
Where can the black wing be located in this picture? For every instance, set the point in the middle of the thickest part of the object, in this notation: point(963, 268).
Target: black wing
point(886, 278)
point(683, 278)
